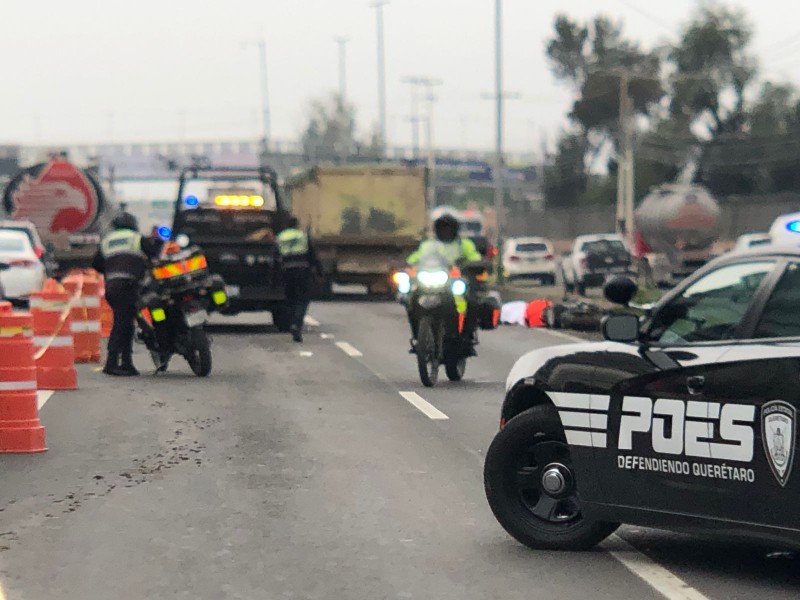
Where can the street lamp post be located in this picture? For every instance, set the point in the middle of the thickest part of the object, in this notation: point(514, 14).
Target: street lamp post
point(499, 187)
point(378, 6)
point(342, 42)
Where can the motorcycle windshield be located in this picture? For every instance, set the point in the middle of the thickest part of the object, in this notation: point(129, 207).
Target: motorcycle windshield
point(434, 260)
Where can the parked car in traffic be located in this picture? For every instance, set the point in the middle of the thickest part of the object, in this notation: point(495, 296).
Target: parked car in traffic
point(593, 259)
point(685, 417)
point(27, 227)
point(25, 272)
point(530, 257)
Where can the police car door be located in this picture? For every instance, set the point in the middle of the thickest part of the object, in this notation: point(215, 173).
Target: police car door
point(666, 423)
point(755, 390)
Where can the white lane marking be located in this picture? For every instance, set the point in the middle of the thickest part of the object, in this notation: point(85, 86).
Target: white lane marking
point(306, 353)
point(42, 396)
point(348, 349)
point(327, 336)
point(309, 320)
point(425, 407)
point(660, 579)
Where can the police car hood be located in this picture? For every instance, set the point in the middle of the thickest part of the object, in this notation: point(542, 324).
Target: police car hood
point(528, 364)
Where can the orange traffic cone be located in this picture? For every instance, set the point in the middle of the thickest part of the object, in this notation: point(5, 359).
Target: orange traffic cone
point(20, 428)
point(52, 339)
point(85, 315)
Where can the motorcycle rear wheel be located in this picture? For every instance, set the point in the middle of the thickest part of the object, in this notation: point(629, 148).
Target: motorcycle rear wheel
point(454, 367)
point(200, 359)
point(428, 352)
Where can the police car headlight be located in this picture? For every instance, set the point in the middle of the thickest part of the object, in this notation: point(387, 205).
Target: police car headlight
point(433, 278)
point(402, 281)
point(459, 287)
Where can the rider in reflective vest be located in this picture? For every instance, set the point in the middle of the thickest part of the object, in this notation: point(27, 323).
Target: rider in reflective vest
point(297, 259)
point(455, 249)
point(123, 257)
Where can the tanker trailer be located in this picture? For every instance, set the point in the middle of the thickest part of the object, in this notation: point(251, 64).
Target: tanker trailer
point(676, 226)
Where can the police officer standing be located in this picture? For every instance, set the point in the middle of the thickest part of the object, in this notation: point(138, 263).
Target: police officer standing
point(123, 258)
point(297, 257)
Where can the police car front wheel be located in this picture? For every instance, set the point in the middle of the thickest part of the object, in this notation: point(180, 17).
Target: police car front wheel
point(531, 486)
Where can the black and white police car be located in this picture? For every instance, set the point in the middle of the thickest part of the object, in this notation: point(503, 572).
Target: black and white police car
point(683, 419)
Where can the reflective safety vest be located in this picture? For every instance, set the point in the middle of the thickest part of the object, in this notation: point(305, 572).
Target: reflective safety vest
point(292, 242)
point(452, 252)
point(122, 251)
point(294, 247)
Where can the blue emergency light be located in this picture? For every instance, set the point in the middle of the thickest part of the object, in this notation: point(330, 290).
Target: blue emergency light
point(793, 226)
point(191, 200)
point(164, 232)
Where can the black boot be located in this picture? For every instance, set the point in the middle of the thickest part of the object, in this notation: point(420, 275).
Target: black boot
point(126, 368)
point(112, 363)
point(297, 333)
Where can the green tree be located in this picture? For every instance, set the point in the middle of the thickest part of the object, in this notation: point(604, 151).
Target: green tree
point(330, 133)
point(592, 57)
point(566, 178)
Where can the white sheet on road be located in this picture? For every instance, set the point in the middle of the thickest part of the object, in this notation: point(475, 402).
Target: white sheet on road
point(513, 313)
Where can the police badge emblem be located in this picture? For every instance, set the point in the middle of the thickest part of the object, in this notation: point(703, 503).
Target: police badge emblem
point(778, 434)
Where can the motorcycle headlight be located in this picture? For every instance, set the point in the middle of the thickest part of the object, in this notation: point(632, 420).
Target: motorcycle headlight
point(459, 287)
point(402, 281)
point(433, 278)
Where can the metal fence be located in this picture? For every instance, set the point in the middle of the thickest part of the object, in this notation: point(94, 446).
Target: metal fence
point(739, 215)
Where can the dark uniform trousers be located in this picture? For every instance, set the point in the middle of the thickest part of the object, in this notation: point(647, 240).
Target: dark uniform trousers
point(297, 282)
point(121, 295)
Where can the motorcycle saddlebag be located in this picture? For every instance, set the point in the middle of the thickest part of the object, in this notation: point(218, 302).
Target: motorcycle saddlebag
point(489, 313)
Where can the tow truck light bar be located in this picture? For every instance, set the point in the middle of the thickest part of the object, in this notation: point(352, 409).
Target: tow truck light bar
point(238, 201)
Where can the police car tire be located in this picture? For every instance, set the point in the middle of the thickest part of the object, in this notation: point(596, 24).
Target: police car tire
point(501, 460)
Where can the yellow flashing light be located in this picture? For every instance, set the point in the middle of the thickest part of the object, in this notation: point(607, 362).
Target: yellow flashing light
point(239, 201)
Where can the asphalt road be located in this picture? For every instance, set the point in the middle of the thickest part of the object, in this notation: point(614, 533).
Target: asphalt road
point(302, 472)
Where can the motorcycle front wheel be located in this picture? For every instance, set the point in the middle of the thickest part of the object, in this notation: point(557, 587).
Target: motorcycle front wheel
point(428, 351)
point(200, 348)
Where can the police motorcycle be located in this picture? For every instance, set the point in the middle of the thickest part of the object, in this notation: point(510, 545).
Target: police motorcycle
point(176, 298)
point(437, 298)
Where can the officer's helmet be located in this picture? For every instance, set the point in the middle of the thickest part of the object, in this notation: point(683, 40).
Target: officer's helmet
point(446, 228)
point(125, 220)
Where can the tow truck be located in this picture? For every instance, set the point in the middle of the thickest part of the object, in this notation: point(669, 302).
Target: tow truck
point(234, 214)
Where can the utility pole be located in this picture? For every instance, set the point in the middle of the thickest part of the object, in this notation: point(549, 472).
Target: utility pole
point(625, 169)
point(378, 6)
point(342, 41)
point(266, 124)
point(499, 187)
point(414, 117)
point(428, 84)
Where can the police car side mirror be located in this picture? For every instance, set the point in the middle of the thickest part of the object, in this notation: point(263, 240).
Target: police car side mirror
point(621, 328)
point(620, 290)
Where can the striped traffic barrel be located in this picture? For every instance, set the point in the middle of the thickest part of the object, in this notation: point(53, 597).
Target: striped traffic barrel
point(20, 428)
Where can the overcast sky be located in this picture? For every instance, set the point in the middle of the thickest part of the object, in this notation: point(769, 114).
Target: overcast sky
point(146, 70)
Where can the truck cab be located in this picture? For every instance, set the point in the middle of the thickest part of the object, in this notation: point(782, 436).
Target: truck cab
point(235, 214)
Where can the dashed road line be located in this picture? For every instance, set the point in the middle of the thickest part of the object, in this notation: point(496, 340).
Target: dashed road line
point(348, 349)
point(42, 396)
point(657, 577)
point(309, 320)
point(327, 336)
point(425, 407)
point(306, 353)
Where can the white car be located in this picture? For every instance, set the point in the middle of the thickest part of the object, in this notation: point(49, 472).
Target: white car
point(751, 240)
point(25, 272)
point(529, 257)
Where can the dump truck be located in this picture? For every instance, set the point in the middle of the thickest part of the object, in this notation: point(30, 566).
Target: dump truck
point(363, 220)
point(66, 204)
point(676, 226)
